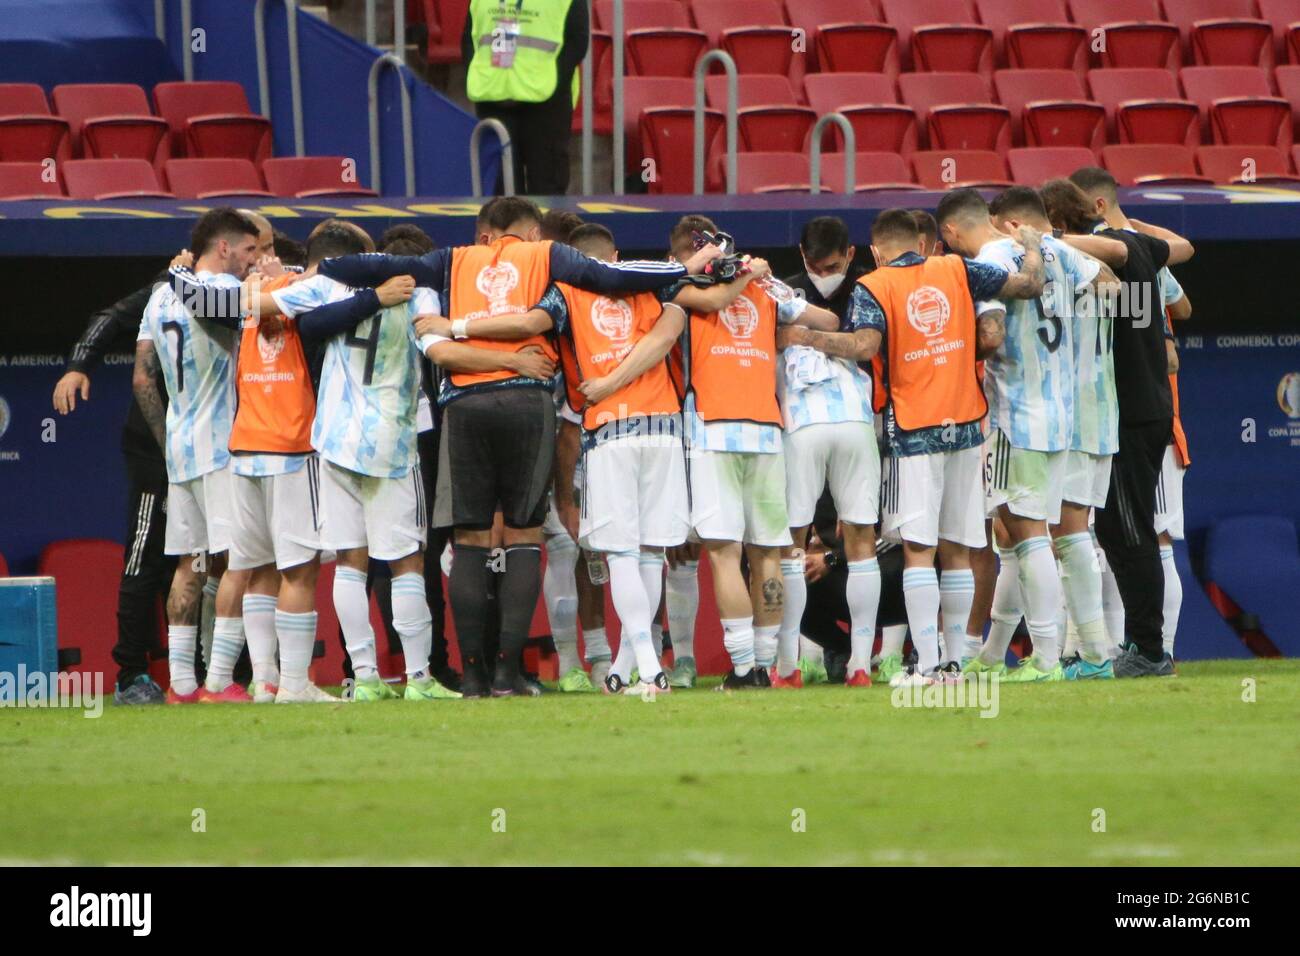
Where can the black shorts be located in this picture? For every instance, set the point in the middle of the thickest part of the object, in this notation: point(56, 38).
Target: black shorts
point(500, 449)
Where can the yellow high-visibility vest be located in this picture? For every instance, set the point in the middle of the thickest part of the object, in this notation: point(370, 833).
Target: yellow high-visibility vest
point(516, 49)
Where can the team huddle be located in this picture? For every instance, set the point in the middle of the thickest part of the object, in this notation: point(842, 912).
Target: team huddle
point(631, 416)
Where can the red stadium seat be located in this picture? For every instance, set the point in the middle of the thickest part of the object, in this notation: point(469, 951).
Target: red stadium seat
point(212, 178)
point(1280, 14)
point(1288, 85)
point(446, 21)
point(1034, 34)
point(940, 35)
point(28, 131)
point(308, 176)
point(769, 129)
point(112, 179)
point(1239, 104)
point(760, 49)
point(1034, 166)
point(872, 172)
point(826, 92)
point(1135, 33)
point(752, 89)
point(870, 103)
point(112, 121)
point(715, 16)
point(662, 52)
point(643, 92)
point(1050, 108)
point(765, 172)
point(667, 137)
point(1146, 164)
point(857, 47)
point(957, 110)
point(28, 181)
point(213, 120)
point(1145, 106)
point(602, 80)
point(1221, 32)
point(950, 168)
point(87, 572)
point(1245, 164)
point(643, 15)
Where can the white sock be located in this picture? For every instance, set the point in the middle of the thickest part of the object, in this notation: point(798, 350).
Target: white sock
point(796, 599)
point(1173, 596)
point(1113, 611)
point(180, 657)
point(1008, 608)
point(811, 651)
point(738, 639)
point(1041, 587)
point(227, 642)
point(627, 589)
point(560, 592)
point(892, 638)
point(259, 627)
point(766, 644)
point(1081, 581)
point(956, 595)
point(651, 566)
point(921, 596)
point(413, 623)
point(208, 617)
point(596, 645)
point(297, 635)
point(625, 659)
point(683, 599)
point(352, 607)
point(863, 595)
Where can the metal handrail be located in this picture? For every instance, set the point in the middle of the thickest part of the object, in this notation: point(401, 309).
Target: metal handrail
point(371, 29)
point(507, 156)
point(295, 73)
point(701, 68)
point(586, 92)
point(408, 138)
point(617, 118)
point(160, 20)
point(187, 43)
point(850, 146)
point(399, 29)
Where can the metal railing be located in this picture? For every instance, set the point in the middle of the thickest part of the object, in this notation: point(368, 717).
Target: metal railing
point(507, 156)
point(701, 69)
point(295, 74)
point(408, 138)
point(617, 118)
point(399, 28)
point(160, 20)
point(588, 117)
point(850, 145)
point(187, 44)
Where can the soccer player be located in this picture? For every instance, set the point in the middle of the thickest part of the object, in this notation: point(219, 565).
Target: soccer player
point(1169, 489)
point(924, 309)
point(194, 430)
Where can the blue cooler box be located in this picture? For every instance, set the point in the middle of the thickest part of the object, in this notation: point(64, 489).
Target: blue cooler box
point(28, 627)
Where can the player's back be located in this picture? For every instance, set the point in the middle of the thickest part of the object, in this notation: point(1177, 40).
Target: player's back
point(1096, 406)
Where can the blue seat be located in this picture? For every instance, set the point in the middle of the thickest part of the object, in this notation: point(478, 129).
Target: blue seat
point(1255, 560)
point(1203, 634)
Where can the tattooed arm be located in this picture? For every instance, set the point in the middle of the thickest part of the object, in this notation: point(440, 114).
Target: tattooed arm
point(144, 382)
point(990, 330)
point(860, 345)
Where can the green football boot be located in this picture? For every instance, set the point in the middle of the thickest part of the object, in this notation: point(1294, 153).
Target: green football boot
point(576, 681)
point(429, 689)
point(889, 666)
point(976, 666)
point(683, 673)
point(373, 689)
point(1029, 673)
point(814, 672)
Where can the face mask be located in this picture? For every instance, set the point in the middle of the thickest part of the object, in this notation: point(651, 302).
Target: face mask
point(827, 285)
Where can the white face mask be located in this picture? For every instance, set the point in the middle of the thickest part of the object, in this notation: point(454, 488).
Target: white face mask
point(826, 285)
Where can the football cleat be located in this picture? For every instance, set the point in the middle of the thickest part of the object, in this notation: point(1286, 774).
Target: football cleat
point(473, 684)
point(683, 673)
point(911, 677)
point(977, 666)
point(734, 681)
point(263, 691)
point(614, 684)
point(141, 690)
point(1030, 673)
point(1133, 663)
point(793, 682)
point(659, 685)
point(174, 698)
point(859, 678)
point(230, 694)
point(815, 671)
point(520, 686)
point(576, 681)
point(368, 691)
point(1078, 669)
point(890, 665)
point(761, 677)
point(428, 688)
point(311, 694)
point(949, 673)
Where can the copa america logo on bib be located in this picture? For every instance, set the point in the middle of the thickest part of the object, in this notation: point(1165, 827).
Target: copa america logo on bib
point(928, 310)
point(270, 342)
point(612, 318)
point(496, 281)
point(1288, 396)
point(5, 417)
point(740, 318)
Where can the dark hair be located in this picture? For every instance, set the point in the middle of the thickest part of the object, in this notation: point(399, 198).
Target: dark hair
point(926, 226)
point(687, 226)
point(1067, 206)
point(592, 235)
point(221, 223)
point(824, 236)
point(502, 212)
point(289, 250)
point(558, 225)
point(895, 225)
point(1017, 201)
point(1094, 179)
point(960, 203)
point(335, 238)
point(415, 241)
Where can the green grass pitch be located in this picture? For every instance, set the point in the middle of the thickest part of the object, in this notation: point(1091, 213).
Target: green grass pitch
point(1184, 770)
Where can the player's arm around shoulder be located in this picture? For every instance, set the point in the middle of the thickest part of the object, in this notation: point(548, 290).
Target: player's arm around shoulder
point(1029, 281)
point(1112, 252)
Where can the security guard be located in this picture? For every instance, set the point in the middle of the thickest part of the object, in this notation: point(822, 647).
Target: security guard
point(522, 57)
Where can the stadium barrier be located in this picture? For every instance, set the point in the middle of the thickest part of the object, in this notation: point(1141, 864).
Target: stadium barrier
point(263, 84)
point(507, 156)
point(850, 152)
point(408, 135)
point(733, 97)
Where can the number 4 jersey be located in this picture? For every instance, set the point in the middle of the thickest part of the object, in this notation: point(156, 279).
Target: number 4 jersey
point(1029, 381)
point(368, 398)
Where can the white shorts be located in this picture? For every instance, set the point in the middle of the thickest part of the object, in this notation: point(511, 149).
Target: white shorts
point(739, 496)
point(200, 515)
point(1169, 496)
point(1028, 482)
point(928, 497)
point(845, 456)
point(384, 515)
point(277, 518)
point(634, 494)
point(1087, 479)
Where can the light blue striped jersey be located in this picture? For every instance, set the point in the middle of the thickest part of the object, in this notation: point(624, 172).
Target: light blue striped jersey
point(199, 370)
point(368, 400)
point(1029, 381)
point(1096, 404)
point(817, 389)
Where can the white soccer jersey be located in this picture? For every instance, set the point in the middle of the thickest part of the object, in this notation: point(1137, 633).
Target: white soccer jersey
point(1096, 406)
point(198, 368)
point(1029, 381)
point(368, 401)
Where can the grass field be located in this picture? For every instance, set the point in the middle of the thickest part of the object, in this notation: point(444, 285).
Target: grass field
point(1185, 771)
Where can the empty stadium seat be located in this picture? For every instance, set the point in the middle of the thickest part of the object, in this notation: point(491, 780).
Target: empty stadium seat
point(869, 102)
point(1239, 105)
point(871, 172)
point(86, 572)
point(28, 131)
point(1143, 164)
point(1255, 560)
point(662, 52)
point(1281, 14)
point(1034, 34)
point(957, 110)
point(950, 168)
point(845, 35)
point(642, 14)
point(211, 178)
point(213, 120)
point(28, 181)
point(307, 176)
point(1145, 105)
point(774, 128)
point(602, 80)
point(446, 21)
point(1221, 32)
point(1288, 85)
point(768, 172)
point(1136, 34)
point(667, 136)
point(757, 89)
point(760, 49)
point(643, 92)
point(112, 121)
point(112, 179)
point(1050, 108)
point(940, 35)
point(1034, 166)
point(1249, 164)
point(715, 16)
